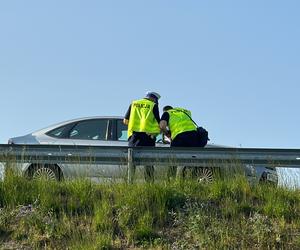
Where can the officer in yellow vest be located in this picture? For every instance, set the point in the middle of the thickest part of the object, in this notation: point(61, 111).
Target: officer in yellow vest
point(142, 118)
point(177, 124)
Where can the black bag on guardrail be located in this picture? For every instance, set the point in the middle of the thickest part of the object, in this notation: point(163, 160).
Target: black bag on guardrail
point(202, 132)
point(203, 136)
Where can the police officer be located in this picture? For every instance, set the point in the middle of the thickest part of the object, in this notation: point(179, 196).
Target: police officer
point(142, 118)
point(177, 124)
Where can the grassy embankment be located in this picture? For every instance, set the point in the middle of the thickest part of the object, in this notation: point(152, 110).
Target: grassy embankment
point(167, 215)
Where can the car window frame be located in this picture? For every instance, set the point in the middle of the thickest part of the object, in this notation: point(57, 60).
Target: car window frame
point(108, 134)
point(115, 130)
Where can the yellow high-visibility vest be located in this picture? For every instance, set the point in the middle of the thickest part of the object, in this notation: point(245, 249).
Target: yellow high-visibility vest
point(142, 118)
point(179, 122)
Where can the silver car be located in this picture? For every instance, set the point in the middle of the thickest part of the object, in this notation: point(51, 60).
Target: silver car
point(106, 131)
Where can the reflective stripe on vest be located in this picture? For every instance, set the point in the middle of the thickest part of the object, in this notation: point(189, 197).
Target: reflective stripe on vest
point(142, 118)
point(179, 122)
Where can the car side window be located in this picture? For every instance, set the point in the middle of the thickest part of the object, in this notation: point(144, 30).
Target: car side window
point(59, 132)
point(56, 132)
point(96, 129)
point(121, 131)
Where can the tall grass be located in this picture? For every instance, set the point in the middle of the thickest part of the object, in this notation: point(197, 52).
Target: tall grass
point(171, 214)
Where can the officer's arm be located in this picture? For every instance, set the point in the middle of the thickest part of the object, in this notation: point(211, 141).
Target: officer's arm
point(164, 128)
point(163, 124)
point(156, 113)
point(127, 115)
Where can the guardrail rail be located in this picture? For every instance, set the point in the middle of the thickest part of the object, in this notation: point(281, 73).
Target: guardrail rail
point(162, 156)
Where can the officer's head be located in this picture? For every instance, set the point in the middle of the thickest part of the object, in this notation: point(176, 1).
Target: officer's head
point(166, 108)
point(154, 96)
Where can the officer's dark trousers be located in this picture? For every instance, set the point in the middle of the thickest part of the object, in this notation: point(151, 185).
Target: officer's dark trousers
point(142, 139)
point(185, 139)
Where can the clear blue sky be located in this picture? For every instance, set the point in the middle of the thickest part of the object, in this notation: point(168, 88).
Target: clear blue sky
point(234, 64)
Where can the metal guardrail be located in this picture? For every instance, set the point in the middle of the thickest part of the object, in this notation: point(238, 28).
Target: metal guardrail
point(149, 155)
point(59, 154)
point(162, 156)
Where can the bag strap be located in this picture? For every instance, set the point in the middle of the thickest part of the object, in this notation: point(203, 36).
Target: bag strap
point(189, 117)
point(194, 122)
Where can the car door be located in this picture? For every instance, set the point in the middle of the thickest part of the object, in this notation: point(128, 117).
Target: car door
point(93, 132)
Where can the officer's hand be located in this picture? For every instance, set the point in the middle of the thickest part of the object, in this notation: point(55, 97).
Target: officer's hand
point(168, 134)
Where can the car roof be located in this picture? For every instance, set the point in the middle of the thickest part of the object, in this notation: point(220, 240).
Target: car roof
point(46, 129)
point(57, 125)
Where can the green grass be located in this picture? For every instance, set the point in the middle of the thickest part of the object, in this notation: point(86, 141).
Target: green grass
point(174, 214)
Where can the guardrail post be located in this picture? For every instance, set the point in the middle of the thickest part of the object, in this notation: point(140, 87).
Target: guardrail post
point(130, 166)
